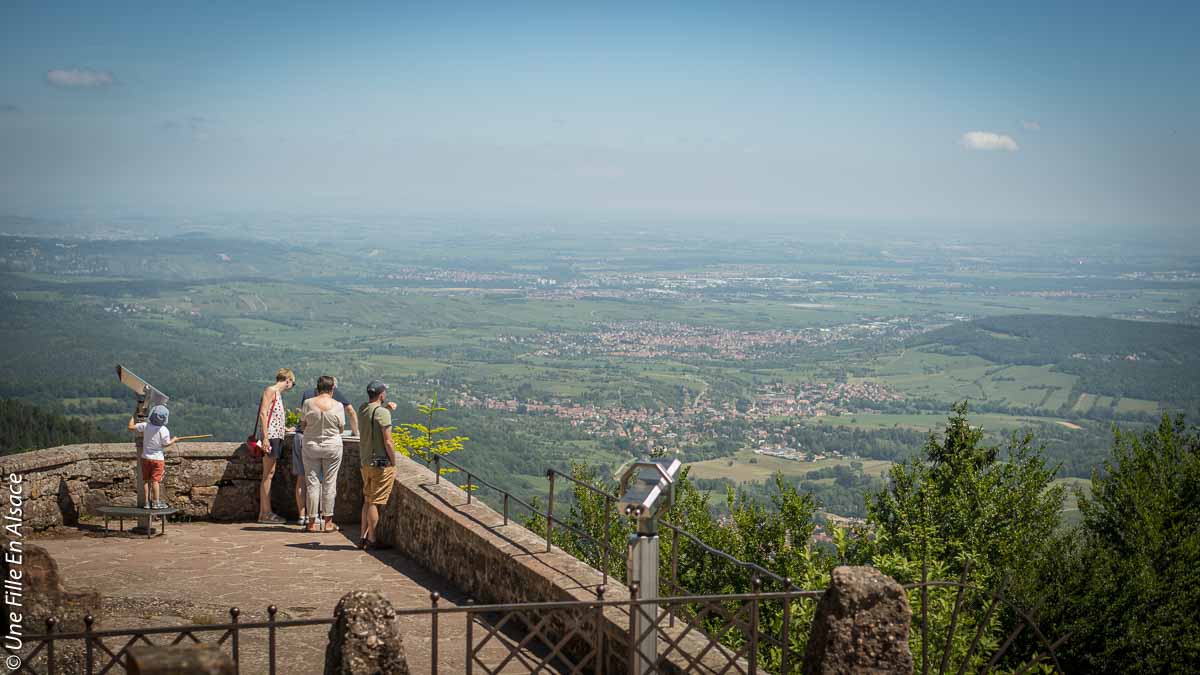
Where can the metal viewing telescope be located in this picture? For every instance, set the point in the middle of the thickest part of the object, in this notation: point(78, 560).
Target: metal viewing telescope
point(647, 491)
point(147, 398)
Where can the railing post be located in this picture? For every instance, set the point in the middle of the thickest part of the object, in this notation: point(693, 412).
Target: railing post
point(433, 628)
point(756, 588)
point(550, 510)
point(271, 638)
point(437, 471)
point(470, 637)
point(606, 543)
point(634, 665)
point(601, 653)
point(50, 624)
point(787, 624)
point(234, 612)
point(467, 487)
point(674, 569)
point(924, 616)
point(506, 508)
point(88, 655)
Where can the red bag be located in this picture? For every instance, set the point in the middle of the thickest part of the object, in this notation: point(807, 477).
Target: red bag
point(252, 443)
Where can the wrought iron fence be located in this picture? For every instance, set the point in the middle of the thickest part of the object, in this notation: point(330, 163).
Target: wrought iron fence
point(744, 633)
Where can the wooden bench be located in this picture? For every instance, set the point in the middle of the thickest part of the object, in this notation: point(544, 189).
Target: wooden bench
point(134, 512)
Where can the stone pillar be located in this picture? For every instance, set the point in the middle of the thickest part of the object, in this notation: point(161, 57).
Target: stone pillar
point(179, 660)
point(861, 626)
point(365, 639)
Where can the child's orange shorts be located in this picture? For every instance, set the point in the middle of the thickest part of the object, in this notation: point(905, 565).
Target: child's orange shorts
point(152, 469)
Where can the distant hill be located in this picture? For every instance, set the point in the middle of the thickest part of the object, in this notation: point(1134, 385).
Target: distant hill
point(1112, 357)
point(24, 426)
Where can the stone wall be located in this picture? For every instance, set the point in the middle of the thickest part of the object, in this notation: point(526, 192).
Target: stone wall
point(212, 481)
point(205, 480)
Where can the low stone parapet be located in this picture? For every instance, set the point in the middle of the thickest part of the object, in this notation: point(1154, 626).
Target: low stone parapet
point(204, 480)
point(208, 481)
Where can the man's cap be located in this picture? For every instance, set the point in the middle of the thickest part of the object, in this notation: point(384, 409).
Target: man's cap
point(375, 387)
point(159, 414)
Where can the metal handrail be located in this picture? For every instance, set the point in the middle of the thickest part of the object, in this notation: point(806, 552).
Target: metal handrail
point(786, 583)
point(606, 549)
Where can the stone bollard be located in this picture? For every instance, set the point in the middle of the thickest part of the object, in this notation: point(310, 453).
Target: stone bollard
point(861, 626)
point(44, 593)
point(179, 660)
point(365, 639)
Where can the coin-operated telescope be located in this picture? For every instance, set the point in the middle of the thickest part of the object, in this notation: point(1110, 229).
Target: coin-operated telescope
point(647, 491)
point(147, 395)
point(147, 398)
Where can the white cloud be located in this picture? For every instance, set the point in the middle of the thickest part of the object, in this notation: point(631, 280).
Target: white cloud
point(80, 77)
point(1031, 125)
point(989, 140)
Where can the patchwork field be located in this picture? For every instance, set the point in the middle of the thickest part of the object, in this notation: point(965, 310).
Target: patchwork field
point(745, 466)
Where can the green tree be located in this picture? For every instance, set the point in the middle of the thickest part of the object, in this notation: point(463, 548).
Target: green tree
point(1129, 587)
point(959, 504)
point(425, 439)
point(961, 501)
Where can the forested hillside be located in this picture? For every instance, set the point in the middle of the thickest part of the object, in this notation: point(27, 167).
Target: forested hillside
point(24, 426)
point(1112, 357)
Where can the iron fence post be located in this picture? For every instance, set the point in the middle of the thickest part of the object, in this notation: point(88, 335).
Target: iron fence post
point(88, 657)
point(234, 612)
point(601, 653)
point(787, 633)
point(674, 570)
point(470, 637)
point(271, 638)
point(607, 541)
point(433, 628)
point(634, 666)
point(437, 471)
point(924, 616)
point(954, 618)
point(506, 508)
point(50, 623)
point(467, 487)
point(756, 588)
point(550, 510)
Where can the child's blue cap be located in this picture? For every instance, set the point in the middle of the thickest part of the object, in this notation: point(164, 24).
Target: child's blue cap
point(158, 415)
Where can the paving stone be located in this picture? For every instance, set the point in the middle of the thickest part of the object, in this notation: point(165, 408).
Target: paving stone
point(198, 570)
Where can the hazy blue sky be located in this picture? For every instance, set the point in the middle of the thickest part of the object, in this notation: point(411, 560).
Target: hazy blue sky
point(992, 114)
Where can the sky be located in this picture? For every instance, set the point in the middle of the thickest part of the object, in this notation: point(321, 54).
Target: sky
point(966, 115)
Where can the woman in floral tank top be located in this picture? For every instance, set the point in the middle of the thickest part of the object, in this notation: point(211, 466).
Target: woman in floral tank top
point(272, 420)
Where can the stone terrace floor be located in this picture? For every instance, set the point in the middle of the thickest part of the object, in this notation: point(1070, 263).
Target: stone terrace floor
point(195, 573)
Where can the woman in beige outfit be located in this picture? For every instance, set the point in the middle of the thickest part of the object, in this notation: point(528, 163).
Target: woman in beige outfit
point(322, 420)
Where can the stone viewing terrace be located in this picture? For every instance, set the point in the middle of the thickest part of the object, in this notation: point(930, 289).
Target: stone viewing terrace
point(200, 569)
point(196, 573)
point(484, 569)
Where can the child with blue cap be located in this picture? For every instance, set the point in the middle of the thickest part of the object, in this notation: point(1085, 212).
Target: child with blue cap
point(155, 437)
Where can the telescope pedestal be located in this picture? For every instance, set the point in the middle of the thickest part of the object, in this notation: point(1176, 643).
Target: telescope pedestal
point(643, 569)
point(144, 525)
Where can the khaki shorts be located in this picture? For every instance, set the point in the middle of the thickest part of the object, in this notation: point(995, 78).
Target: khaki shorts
point(377, 483)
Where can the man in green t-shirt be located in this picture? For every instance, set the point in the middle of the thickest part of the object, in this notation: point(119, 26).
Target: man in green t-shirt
point(377, 456)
